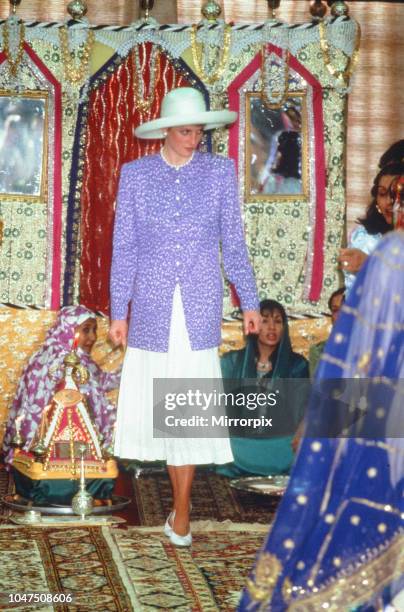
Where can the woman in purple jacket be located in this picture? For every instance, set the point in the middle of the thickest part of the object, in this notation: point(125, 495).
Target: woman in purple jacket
point(175, 209)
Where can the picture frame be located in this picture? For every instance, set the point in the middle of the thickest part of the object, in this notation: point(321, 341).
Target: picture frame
point(276, 148)
point(23, 145)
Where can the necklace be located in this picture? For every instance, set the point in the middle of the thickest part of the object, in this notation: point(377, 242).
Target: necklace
point(13, 63)
point(264, 366)
point(142, 103)
point(175, 166)
point(74, 74)
point(210, 79)
point(275, 101)
point(341, 76)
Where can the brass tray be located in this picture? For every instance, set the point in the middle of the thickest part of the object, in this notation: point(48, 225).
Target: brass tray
point(16, 502)
point(262, 485)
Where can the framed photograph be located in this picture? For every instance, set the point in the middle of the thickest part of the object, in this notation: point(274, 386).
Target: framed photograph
point(23, 145)
point(276, 148)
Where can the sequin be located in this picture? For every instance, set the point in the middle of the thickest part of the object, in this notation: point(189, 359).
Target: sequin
point(144, 269)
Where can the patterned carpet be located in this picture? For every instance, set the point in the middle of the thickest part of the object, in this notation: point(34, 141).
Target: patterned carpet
point(212, 498)
point(6, 487)
point(78, 561)
point(206, 578)
point(118, 570)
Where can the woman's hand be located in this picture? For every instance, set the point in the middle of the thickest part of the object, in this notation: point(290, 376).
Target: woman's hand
point(118, 332)
point(351, 260)
point(251, 322)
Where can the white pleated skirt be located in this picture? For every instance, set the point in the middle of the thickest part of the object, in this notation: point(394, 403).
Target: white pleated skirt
point(134, 430)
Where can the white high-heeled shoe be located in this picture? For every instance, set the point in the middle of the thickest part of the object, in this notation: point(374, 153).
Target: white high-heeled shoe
point(179, 540)
point(168, 528)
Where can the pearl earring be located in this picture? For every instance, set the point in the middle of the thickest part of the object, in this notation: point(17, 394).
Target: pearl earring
point(378, 209)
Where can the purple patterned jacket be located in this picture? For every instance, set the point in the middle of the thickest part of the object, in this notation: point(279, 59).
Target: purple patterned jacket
point(169, 224)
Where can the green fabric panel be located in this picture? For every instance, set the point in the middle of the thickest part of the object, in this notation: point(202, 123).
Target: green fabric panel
point(262, 457)
point(61, 491)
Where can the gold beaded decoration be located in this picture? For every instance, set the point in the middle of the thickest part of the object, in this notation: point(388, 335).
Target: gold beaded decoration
point(75, 74)
point(13, 63)
point(142, 103)
point(274, 102)
point(210, 79)
point(342, 76)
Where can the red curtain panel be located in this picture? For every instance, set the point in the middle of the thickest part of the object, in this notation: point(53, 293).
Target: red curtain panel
point(113, 114)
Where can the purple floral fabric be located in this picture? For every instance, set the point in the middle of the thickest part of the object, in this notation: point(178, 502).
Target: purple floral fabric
point(170, 225)
point(44, 372)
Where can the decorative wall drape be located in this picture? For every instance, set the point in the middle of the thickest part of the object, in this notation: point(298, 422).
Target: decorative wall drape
point(375, 115)
point(30, 263)
point(298, 267)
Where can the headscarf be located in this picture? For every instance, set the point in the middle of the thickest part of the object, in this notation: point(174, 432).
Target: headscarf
point(286, 364)
point(337, 541)
point(44, 371)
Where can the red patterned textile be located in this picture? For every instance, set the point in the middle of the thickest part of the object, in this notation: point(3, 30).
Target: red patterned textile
point(111, 120)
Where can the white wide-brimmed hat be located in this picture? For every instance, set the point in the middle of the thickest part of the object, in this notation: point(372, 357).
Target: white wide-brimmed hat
point(184, 106)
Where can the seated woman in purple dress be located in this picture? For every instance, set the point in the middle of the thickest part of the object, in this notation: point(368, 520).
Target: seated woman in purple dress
point(44, 372)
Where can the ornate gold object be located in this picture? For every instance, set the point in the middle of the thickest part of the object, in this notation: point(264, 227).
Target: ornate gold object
point(210, 79)
point(13, 63)
point(17, 439)
point(82, 502)
point(211, 10)
point(39, 449)
point(75, 73)
point(342, 76)
point(273, 5)
point(77, 9)
point(14, 4)
point(71, 360)
point(80, 374)
point(146, 6)
point(143, 103)
point(318, 9)
point(339, 8)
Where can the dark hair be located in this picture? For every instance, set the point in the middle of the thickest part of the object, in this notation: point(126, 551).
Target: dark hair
point(395, 153)
point(289, 149)
point(270, 306)
point(373, 221)
point(340, 291)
